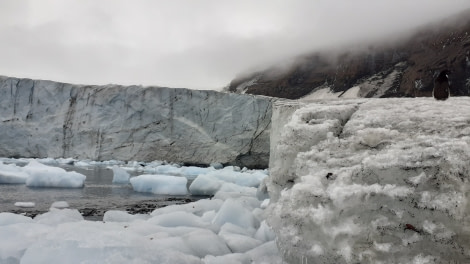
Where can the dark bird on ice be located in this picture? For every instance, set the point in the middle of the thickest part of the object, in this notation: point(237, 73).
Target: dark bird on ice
point(441, 89)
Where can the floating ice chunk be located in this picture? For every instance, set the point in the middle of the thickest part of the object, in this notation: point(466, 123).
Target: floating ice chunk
point(60, 205)
point(67, 161)
point(120, 175)
point(10, 173)
point(59, 216)
point(11, 218)
point(121, 216)
point(25, 204)
point(210, 183)
point(190, 172)
point(82, 163)
point(40, 175)
point(234, 212)
point(160, 184)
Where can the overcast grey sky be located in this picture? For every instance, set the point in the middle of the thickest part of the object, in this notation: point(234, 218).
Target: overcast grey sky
point(201, 44)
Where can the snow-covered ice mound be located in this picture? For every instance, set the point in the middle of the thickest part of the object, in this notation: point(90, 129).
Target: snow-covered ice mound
point(160, 184)
point(372, 181)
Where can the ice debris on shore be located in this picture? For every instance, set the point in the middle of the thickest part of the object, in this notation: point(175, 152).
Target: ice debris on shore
point(228, 228)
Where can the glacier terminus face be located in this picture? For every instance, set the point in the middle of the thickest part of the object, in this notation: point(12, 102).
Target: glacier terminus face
point(48, 119)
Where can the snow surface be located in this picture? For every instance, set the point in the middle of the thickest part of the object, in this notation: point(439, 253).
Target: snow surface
point(229, 228)
point(371, 181)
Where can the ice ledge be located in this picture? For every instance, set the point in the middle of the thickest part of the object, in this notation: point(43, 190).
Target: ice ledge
point(371, 181)
point(50, 119)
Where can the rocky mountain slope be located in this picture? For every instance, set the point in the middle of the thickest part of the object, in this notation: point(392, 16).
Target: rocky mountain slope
point(394, 69)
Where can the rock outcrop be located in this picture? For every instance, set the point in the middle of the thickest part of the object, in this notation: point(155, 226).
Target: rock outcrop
point(50, 119)
point(399, 68)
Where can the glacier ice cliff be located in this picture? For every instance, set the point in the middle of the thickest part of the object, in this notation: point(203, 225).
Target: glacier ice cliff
point(371, 181)
point(49, 119)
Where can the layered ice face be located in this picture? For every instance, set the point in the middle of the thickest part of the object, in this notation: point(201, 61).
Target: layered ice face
point(372, 181)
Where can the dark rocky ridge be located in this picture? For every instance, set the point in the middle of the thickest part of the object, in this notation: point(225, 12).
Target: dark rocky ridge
point(403, 68)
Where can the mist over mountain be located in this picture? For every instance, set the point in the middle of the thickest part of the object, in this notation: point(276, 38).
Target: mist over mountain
point(403, 65)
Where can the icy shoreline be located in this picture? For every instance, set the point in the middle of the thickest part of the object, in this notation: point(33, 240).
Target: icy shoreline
point(228, 228)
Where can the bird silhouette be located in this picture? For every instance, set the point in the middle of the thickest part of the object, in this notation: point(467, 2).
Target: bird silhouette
point(441, 89)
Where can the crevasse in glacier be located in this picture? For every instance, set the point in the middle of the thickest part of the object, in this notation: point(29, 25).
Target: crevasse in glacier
point(371, 181)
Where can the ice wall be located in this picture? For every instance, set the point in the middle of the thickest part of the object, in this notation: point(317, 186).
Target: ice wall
point(371, 181)
point(50, 119)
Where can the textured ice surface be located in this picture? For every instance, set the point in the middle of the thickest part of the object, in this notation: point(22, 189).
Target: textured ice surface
point(372, 181)
point(132, 123)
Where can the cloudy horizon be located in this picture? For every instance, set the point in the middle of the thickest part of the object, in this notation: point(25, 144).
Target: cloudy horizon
point(200, 44)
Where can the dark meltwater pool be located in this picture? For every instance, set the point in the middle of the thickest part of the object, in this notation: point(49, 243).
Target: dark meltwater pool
point(96, 197)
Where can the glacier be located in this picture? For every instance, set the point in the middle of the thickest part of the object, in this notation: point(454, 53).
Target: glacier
point(371, 180)
point(40, 119)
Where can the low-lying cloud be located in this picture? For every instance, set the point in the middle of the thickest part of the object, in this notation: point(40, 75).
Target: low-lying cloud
point(183, 43)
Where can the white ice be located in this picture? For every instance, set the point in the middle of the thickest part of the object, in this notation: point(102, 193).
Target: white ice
point(211, 182)
point(229, 228)
point(160, 184)
point(25, 204)
point(120, 175)
point(40, 175)
point(10, 173)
